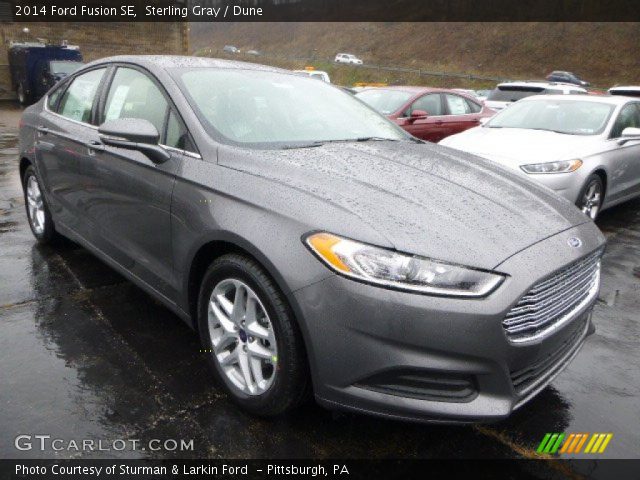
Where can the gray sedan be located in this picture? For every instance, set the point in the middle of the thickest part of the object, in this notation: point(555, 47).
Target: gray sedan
point(313, 245)
point(586, 148)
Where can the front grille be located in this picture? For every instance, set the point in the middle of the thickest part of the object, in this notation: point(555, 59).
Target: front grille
point(554, 301)
point(528, 378)
point(423, 385)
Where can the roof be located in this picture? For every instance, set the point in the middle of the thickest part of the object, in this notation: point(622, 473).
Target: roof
point(414, 90)
point(174, 61)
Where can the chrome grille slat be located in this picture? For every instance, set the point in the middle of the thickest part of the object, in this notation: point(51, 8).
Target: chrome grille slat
point(555, 300)
point(554, 304)
point(529, 301)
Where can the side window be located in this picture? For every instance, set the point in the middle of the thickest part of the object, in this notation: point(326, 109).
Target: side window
point(629, 116)
point(456, 105)
point(473, 106)
point(77, 101)
point(429, 103)
point(133, 94)
point(52, 99)
point(177, 136)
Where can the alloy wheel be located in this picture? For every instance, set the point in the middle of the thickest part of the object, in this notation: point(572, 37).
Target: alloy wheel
point(592, 200)
point(35, 205)
point(242, 337)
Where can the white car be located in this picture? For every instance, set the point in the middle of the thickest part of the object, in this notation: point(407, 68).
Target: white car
point(585, 147)
point(347, 58)
point(317, 74)
point(508, 92)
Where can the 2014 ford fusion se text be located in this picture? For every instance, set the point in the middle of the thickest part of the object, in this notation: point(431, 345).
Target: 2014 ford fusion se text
point(316, 247)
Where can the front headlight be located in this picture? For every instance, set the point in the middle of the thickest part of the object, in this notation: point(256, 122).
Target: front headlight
point(564, 166)
point(391, 269)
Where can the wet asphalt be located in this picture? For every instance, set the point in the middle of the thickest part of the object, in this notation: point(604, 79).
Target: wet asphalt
point(86, 354)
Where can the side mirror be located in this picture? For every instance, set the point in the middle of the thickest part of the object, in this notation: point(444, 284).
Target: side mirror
point(134, 134)
point(629, 134)
point(418, 115)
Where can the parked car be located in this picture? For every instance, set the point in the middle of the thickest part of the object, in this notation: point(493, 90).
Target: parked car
point(36, 67)
point(347, 58)
point(313, 244)
point(627, 91)
point(566, 77)
point(231, 49)
point(427, 113)
point(255, 53)
point(312, 73)
point(586, 148)
point(506, 93)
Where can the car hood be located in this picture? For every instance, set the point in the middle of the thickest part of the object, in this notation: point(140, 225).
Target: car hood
point(513, 147)
point(423, 199)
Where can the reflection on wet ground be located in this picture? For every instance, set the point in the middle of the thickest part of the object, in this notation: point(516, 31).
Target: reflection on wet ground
point(86, 354)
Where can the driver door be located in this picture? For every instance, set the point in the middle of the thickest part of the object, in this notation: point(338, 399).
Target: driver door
point(624, 160)
point(131, 201)
point(431, 127)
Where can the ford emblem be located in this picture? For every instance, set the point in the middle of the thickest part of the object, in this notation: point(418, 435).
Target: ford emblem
point(574, 242)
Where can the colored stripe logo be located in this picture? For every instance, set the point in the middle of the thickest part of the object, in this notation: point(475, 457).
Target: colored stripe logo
point(553, 443)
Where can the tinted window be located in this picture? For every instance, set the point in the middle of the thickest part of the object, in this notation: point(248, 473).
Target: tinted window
point(629, 117)
point(78, 98)
point(133, 94)
point(457, 105)
point(429, 103)
point(177, 136)
point(473, 106)
point(52, 99)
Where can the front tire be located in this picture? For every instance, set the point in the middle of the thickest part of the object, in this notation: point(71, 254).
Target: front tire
point(38, 213)
point(591, 197)
point(252, 341)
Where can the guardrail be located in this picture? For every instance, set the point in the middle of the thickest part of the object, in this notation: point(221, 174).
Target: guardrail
point(371, 66)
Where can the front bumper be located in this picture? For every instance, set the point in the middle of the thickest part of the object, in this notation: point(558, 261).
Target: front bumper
point(429, 358)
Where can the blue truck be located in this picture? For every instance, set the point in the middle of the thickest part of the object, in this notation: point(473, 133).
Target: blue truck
point(36, 67)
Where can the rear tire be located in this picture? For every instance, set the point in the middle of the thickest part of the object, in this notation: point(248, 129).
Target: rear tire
point(591, 196)
point(38, 214)
point(252, 341)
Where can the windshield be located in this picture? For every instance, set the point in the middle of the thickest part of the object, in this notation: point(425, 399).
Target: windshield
point(269, 109)
point(572, 117)
point(64, 67)
point(384, 101)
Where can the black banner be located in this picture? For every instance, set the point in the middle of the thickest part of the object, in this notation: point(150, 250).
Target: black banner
point(327, 468)
point(319, 10)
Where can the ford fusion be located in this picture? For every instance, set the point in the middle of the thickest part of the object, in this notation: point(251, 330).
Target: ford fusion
point(315, 246)
point(586, 148)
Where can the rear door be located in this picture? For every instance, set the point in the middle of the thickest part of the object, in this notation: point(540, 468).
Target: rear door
point(460, 113)
point(66, 138)
point(430, 128)
point(624, 159)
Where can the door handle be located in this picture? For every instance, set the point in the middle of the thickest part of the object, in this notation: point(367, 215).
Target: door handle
point(94, 146)
point(42, 130)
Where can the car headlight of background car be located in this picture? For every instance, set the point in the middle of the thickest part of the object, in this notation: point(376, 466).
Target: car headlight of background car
point(387, 268)
point(563, 166)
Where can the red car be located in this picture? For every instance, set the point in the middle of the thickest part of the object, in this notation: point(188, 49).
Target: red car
point(427, 113)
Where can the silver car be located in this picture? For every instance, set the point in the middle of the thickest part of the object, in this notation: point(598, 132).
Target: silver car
point(586, 148)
